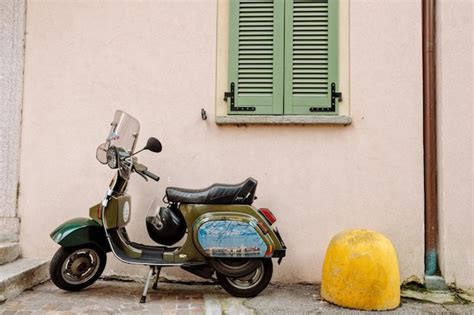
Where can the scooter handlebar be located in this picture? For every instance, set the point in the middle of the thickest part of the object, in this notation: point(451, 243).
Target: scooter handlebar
point(143, 171)
point(151, 175)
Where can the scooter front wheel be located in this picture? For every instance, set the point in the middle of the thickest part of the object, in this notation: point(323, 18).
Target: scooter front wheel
point(75, 268)
point(249, 285)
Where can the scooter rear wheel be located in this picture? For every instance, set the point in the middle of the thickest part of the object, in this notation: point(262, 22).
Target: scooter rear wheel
point(249, 285)
point(234, 267)
point(75, 268)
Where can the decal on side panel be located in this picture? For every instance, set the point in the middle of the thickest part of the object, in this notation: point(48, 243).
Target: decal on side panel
point(231, 239)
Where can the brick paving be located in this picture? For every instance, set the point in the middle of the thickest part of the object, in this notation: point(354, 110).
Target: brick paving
point(107, 297)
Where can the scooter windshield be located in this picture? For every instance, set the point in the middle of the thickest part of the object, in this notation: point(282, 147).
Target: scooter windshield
point(123, 134)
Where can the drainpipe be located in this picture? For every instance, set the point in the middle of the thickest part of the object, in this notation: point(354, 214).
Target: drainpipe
point(429, 137)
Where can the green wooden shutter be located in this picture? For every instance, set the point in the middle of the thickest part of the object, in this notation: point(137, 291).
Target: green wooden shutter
point(256, 48)
point(311, 56)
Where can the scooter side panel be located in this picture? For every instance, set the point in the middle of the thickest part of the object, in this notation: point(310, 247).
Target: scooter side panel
point(80, 231)
point(190, 252)
point(229, 238)
point(192, 211)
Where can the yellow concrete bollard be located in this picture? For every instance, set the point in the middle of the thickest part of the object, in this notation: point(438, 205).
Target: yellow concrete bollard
point(360, 271)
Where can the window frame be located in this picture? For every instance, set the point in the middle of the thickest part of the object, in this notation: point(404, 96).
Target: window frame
point(222, 117)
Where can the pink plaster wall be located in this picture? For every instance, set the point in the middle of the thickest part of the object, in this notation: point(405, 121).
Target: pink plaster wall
point(455, 140)
point(156, 60)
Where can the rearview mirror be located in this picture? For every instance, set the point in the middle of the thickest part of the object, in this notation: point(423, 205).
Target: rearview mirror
point(153, 145)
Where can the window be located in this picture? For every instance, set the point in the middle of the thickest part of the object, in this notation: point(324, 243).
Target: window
point(283, 57)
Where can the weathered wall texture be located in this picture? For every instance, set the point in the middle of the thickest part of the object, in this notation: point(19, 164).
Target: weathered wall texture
point(157, 61)
point(456, 150)
point(12, 30)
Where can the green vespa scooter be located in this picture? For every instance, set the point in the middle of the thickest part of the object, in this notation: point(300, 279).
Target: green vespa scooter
point(225, 237)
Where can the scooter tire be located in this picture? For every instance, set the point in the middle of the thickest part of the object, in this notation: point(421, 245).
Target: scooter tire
point(234, 267)
point(238, 287)
point(58, 261)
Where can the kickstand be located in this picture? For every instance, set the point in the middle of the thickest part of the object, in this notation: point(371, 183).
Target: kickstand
point(147, 284)
point(155, 285)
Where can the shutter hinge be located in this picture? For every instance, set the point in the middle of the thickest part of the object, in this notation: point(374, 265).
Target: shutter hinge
point(334, 95)
point(231, 95)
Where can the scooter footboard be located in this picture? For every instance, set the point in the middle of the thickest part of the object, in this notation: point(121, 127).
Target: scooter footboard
point(80, 231)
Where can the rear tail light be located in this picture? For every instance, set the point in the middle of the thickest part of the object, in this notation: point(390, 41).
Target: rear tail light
point(269, 251)
point(268, 215)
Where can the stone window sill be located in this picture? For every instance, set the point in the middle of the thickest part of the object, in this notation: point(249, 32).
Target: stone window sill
point(283, 120)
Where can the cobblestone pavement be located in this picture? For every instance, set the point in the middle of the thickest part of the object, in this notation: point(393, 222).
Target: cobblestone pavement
point(112, 297)
point(107, 297)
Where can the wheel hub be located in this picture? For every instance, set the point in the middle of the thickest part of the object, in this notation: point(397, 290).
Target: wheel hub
point(248, 277)
point(248, 281)
point(80, 266)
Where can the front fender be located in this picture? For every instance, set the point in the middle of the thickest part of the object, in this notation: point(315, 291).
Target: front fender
point(80, 231)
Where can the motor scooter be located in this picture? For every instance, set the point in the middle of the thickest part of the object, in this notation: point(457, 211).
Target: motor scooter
point(224, 237)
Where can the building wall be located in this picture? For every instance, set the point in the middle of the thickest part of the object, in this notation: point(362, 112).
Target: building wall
point(12, 30)
point(157, 61)
point(455, 140)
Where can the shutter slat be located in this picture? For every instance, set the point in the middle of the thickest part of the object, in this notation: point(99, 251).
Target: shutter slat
point(312, 15)
point(255, 32)
point(254, 49)
point(251, 68)
point(244, 76)
point(253, 79)
point(310, 49)
point(309, 82)
point(258, 37)
point(313, 22)
point(310, 76)
point(312, 5)
point(245, 42)
point(302, 39)
point(311, 71)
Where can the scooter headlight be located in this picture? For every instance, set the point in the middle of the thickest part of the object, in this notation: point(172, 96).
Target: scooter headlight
point(126, 212)
point(112, 160)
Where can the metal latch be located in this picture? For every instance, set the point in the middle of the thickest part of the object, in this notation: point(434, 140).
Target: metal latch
point(231, 95)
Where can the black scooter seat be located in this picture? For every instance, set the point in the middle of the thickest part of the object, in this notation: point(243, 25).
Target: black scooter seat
point(242, 193)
